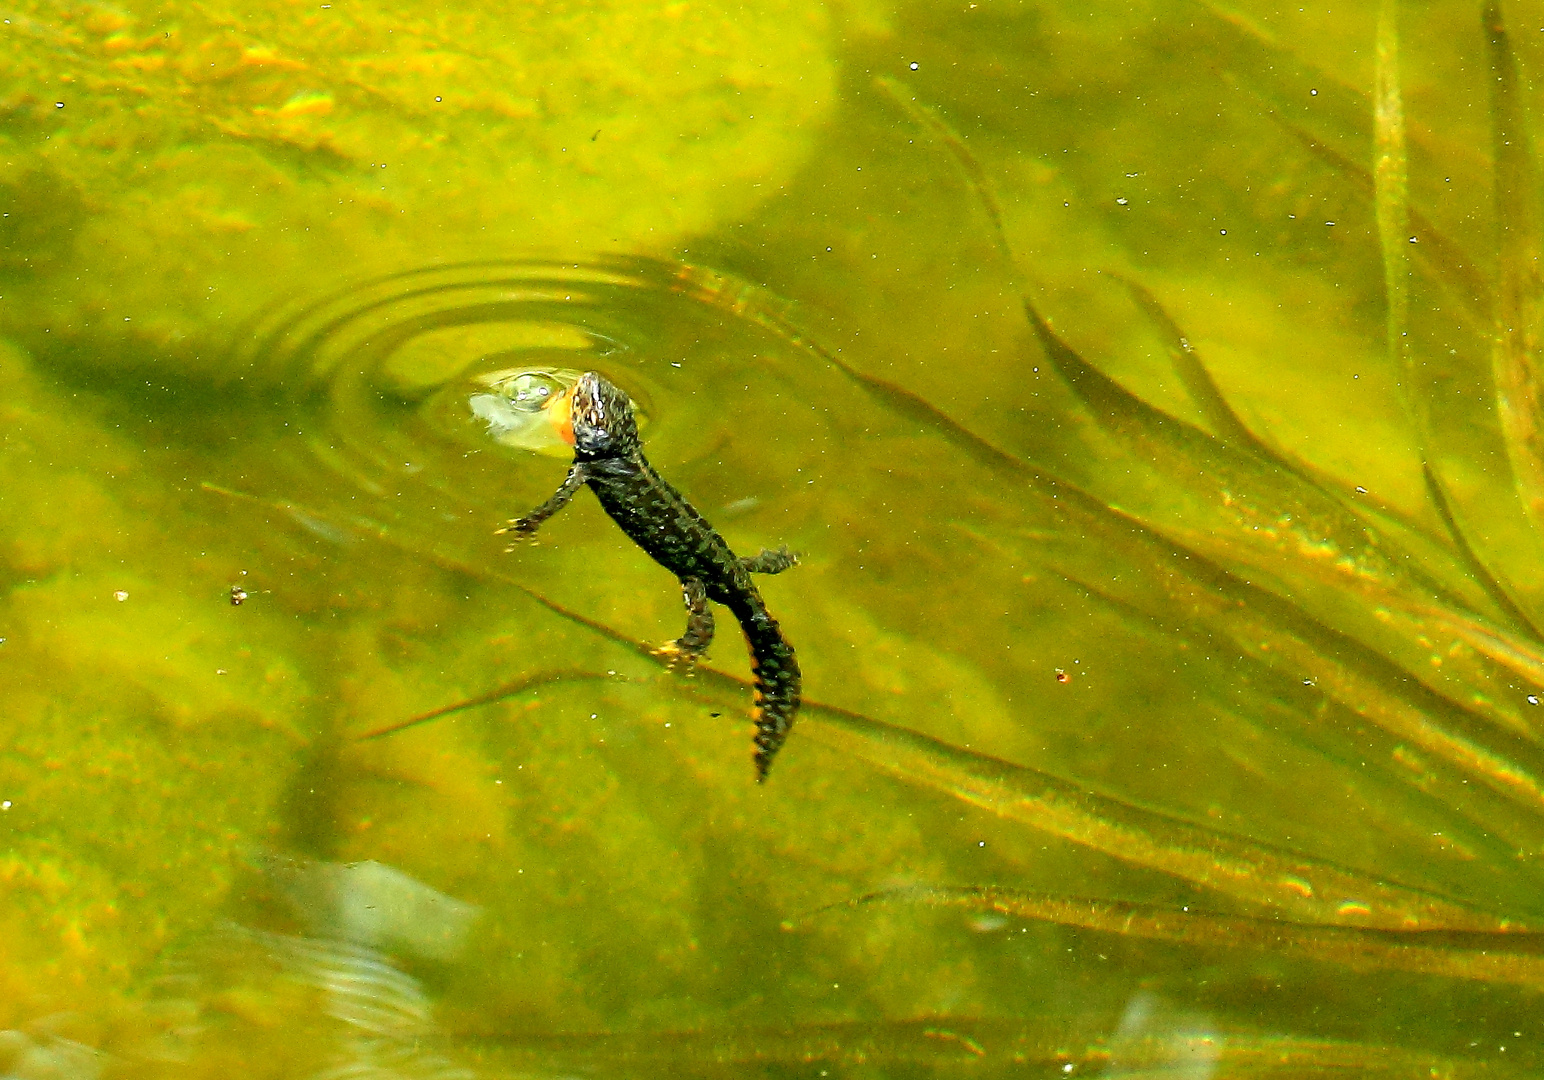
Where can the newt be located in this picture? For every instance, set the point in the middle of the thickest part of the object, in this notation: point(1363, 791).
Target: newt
point(608, 457)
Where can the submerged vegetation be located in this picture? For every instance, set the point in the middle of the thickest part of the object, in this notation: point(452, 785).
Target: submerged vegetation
point(1170, 505)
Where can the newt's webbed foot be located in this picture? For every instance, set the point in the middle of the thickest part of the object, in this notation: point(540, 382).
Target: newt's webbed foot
point(690, 647)
point(677, 658)
point(523, 530)
point(770, 562)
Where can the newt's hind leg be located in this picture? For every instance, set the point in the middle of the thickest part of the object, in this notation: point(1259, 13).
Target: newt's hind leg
point(770, 562)
point(687, 649)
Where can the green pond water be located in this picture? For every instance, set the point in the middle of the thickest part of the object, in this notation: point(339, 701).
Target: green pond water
point(1149, 389)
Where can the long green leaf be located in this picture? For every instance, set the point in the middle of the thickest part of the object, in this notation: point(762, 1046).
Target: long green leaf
point(1508, 958)
point(1515, 355)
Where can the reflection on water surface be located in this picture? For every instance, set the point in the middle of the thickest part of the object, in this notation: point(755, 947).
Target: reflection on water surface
point(1129, 381)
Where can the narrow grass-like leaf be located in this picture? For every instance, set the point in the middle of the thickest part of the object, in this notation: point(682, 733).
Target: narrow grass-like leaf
point(767, 311)
point(1509, 958)
point(1391, 201)
point(1433, 251)
point(497, 694)
point(1193, 374)
point(983, 1047)
point(1515, 354)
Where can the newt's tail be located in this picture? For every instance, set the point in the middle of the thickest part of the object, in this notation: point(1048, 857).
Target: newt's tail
point(777, 680)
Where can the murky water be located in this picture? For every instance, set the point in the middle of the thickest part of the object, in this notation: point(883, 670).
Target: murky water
point(1170, 583)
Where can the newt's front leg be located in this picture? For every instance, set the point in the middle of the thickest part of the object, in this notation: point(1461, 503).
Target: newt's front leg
point(525, 527)
point(687, 649)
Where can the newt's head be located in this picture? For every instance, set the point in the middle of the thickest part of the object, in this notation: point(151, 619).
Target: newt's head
point(602, 420)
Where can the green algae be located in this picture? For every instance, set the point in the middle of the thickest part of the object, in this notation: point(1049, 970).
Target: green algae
point(308, 145)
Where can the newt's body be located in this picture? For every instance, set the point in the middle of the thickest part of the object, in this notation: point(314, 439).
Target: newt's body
point(608, 456)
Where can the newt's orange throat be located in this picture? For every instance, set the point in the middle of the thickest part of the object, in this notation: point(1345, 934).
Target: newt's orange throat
point(560, 414)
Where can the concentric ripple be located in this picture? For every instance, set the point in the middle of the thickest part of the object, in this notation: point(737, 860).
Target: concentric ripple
point(413, 388)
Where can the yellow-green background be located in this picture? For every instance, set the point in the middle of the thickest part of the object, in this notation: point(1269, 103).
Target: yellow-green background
point(171, 175)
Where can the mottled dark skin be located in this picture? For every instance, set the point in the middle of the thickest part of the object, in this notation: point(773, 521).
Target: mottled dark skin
point(608, 456)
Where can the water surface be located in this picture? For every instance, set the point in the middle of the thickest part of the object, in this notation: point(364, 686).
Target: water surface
point(1181, 724)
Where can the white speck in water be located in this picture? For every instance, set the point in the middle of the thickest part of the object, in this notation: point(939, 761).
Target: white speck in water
point(120, 596)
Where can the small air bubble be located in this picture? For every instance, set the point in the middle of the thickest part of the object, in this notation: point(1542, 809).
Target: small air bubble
point(914, 65)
